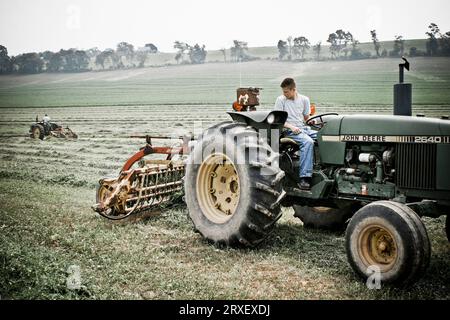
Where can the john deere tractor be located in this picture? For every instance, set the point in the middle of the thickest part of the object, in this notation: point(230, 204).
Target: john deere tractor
point(376, 175)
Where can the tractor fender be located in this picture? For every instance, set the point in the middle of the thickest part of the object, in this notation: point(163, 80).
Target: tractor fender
point(261, 119)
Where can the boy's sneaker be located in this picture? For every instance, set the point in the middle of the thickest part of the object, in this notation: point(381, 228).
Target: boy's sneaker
point(304, 184)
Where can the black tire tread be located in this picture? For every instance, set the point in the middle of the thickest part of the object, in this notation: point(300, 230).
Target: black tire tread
point(409, 225)
point(261, 216)
point(425, 248)
point(421, 242)
point(266, 188)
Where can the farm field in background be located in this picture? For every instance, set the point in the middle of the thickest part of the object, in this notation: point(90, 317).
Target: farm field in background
point(333, 83)
point(47, 187)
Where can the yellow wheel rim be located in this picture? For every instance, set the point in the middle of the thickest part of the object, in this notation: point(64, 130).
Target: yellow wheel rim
point(119, 207)
point(377, 246)
point(36, 133)
point(218, 188)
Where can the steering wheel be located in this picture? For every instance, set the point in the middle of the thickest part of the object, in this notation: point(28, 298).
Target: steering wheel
point(318, 125)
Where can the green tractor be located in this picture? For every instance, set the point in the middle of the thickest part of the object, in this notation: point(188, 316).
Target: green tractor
point(42, 129)
point(376, 175)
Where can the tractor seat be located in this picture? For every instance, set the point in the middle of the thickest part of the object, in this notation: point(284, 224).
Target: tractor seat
point(289, 143)
point(287, 140)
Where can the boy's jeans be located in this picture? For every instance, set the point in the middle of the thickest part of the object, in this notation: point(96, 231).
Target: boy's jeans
point(306, 142)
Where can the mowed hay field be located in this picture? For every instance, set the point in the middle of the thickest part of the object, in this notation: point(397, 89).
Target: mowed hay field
point(47, 228)
point(364, 83)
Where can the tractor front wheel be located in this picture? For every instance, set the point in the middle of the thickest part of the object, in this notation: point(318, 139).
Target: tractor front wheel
point(232, 190)
point(387, 241)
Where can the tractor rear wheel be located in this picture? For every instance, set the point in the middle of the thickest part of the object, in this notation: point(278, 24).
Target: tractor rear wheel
point(325, 218)
point(232, 188)
point(37, 132)
point(390, 240)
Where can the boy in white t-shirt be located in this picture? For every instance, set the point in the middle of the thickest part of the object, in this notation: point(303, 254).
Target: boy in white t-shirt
point(298, 108)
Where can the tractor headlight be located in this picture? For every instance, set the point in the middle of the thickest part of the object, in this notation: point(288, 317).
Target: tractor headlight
point(271, 118)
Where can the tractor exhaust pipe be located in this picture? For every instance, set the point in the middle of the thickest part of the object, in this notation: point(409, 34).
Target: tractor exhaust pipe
point(402, 93)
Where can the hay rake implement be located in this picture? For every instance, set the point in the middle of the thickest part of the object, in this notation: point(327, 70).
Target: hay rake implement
point(152, 184)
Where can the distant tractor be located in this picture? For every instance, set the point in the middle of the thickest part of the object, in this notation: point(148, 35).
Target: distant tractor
point(376, 175)
point(42, 129)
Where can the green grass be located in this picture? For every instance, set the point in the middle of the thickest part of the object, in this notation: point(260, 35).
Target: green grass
point(163, 258)
point(47, 226)
point(47, 187)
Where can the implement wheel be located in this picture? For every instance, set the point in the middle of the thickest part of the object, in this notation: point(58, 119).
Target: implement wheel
point(117, 211)
point(231, 188)
point(388, 237)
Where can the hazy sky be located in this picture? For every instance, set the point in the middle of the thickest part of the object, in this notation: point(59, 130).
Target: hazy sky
point(38, 25)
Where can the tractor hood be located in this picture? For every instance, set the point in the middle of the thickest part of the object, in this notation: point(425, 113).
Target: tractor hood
point(368, 128)
point(386, 125)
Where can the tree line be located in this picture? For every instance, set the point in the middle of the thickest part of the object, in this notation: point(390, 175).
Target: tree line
point(342, 46)
point(74, 60)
